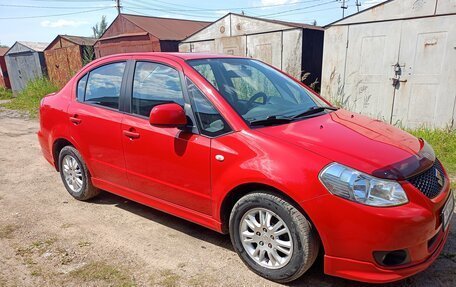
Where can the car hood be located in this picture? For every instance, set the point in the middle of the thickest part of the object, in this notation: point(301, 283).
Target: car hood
point(365, 144)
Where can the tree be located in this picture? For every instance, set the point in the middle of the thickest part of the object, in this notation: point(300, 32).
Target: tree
point(100, 27)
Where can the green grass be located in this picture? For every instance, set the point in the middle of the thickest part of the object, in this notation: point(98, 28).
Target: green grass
point(29, 99)
point(444, 144)
point(5, 94)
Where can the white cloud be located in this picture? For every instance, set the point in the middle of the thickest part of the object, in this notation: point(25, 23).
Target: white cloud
point(62, 23)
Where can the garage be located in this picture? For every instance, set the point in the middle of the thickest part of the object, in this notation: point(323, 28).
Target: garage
point(395, 62)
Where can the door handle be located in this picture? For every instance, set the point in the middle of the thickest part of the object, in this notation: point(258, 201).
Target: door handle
point(131, 134)
point(75, 119)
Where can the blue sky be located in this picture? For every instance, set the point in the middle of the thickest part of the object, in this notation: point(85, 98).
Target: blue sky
point(42, 20)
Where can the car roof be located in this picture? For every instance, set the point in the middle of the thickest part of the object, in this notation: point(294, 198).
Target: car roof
point(174, 55)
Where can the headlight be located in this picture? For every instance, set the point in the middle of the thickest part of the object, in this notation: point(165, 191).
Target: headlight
point(360, 187)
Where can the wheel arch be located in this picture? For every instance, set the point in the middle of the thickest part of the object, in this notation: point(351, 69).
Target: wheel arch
point(57, 146)
point(239, 191)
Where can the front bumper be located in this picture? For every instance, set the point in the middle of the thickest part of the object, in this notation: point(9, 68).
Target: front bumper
point(372, 273)
point(352, 232)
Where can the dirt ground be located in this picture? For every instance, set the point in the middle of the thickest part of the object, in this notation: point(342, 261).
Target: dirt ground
point(49, 239)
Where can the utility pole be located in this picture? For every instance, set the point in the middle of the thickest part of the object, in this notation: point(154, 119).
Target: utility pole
point(343, 8)
point(118, 6)
point(358, 4)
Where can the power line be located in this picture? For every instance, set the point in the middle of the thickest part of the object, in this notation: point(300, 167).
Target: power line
point(297, 13)
point(145, 5)
point(302, 8)
point(50, 7)
point(54, 15)
point(179, 14)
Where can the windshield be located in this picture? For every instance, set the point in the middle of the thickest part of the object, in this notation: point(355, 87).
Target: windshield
point(256, 91)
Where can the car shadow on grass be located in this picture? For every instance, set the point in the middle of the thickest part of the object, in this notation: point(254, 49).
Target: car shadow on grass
point(314, 276)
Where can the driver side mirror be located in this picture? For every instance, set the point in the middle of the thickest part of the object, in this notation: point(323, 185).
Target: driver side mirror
point(169, 115)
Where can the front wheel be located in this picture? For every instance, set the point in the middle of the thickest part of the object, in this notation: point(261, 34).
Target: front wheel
point(272, 237)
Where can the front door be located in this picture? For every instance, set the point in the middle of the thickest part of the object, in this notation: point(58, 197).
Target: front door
point(165, 163)
point(95, 123)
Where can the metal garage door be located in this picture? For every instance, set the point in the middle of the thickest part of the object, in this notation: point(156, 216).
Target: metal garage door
point(402, 71)
point(428, 70)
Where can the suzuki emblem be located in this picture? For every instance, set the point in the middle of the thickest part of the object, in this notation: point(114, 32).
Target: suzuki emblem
point(439, 176)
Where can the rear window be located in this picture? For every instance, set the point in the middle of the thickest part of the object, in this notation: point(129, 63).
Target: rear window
point(103, 85)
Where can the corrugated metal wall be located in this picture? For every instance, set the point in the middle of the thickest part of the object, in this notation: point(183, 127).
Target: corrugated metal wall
point(24, 65)
point(124, 37)
point(4, 79)
point(63, 60)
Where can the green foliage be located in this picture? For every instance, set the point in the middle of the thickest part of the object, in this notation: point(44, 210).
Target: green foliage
point(88, 55)
point(444, 144)
point(29, 99)
point(100, 27)
point(5, 94)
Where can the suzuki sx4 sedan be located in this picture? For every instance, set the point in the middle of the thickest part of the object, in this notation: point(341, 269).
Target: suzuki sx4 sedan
point(239, 147)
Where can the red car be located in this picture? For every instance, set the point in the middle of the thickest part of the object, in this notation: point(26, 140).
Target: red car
point(239, 147)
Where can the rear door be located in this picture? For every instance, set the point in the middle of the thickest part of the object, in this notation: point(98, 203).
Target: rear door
point(165, 163)
point(95, 122)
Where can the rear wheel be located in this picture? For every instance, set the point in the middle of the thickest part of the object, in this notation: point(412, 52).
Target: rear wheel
point(75, 175)
point(272, 237)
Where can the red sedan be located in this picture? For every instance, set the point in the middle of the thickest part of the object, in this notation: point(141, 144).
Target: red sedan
point(239, 147)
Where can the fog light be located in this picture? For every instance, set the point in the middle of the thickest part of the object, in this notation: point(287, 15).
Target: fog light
point(392, 258)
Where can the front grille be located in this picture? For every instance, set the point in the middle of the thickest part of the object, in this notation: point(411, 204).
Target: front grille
point(428, 182)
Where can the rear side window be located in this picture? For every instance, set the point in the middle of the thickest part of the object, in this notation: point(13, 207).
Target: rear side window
point(210, 121)
point(81, 88)
point(103, 85)
point(155, 84)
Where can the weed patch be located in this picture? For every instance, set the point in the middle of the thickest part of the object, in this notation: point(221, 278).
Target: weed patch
point(28, 100)
point(101, 271)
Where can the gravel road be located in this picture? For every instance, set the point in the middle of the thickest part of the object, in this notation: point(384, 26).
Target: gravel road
point(49, 239)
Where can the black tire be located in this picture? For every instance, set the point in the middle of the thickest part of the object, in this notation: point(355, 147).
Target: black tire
point(87, 191)
point(303, 236)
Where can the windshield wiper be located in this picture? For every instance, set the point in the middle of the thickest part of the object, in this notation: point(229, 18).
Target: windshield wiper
point(312, 111)
point(271, 120)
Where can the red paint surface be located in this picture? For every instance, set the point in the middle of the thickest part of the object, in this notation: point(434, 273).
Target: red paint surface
point(176, 171)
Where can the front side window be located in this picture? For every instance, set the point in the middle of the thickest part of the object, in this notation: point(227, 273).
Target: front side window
point(155, 84)
point(210, 121)
point(256, 91)
point(103, 85)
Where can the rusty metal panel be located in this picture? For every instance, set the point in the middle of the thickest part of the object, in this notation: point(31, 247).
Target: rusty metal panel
point(144, 43)
point(63, 63)
point(396, 9)
point(426, 94)
point(166, 28)
point(4, 78)
point(235, 46)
